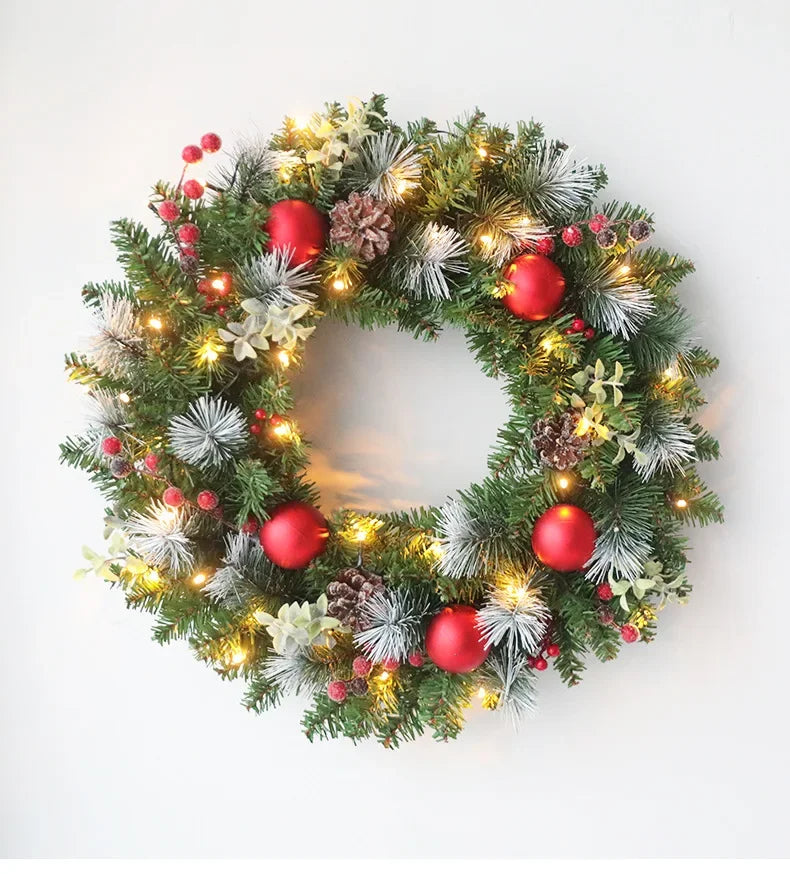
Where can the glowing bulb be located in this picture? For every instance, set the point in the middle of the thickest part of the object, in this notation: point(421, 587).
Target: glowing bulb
point(285, 175)
point(626, 268)
point(547, 345)
point(218, 284)
point(482, 152)
point(339, 285)
point(481, 692)
point(155, 323)
point(211, 354)
point(486, 239)
point(124, 398)
point(153, 575)
point(526, 221)
point(400, 188)
point(238, 656)
point(284, 358)
point(199, 579)
point(300, 122)
point(384, 675)
point(681, 503)
point(563, 482)
point(282, 430)
point(361, 535)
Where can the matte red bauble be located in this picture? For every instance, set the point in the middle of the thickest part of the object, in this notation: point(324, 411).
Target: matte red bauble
point(453, 640)
point(294, 535)
point(298, 226)
point(564, 538)
point(538, 287)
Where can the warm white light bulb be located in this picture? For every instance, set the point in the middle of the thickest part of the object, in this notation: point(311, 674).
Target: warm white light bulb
point(339, 285)
point(124, 398)
point(155, 323)
point(284, 358)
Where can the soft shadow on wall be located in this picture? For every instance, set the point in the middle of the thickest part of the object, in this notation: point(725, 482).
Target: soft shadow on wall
point(364, 400)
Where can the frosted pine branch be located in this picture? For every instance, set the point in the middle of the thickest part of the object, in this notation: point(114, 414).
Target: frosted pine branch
point(516, 685)
point(502, 227)
point(387, 168)
point(433, 253)
point(106, 416)
point(162, 537)
point(245, 574)
point(297, 673)
point(273, 280)
point(394, 624)
point(666, 440)
point(613, 302)
point(514, 614)
point(117, 344)
point(210, 433)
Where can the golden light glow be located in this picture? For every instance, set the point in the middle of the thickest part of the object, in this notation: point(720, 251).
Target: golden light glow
point(400, 188)
point(153, 575)
point(282, 430)
point(124, 398)
point(238, 656)
point(486, 239)
point(211, 354)
point(481, 692)
point(285, 175)
point(199, 579)
point(300, 122)
point(155, 323)
point(361, 535)
point(681, 503)
point(339, 285)
point(625, 269)
point(547, 344)
point(284, 358)
point(563, 482)
point(218, 284)
point(482, 152)
point(209, 351)
point(384, 676)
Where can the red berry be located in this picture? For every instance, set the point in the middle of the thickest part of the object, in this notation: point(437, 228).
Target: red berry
point(250, 526)
point(255, 428)
point(572, 236)
point(111, 446)
point(189, 233)
point(552, 650)
point(207, 501)
point(568, 331)
point(578, 325)
point(193, 189)
point(173, 497)
point(192, 154)
point(531, 661)
point(604, 592)
point(589, 333)
point(390, 664)
point(168, 211)
point(629, 633)
point(191, 251)
point(361, 666)
point(541, 664)
point(204, 286)
point(210, 143)
point(275, 420)
point(260, 414)
point(151, 461)
point(416, 660)
point(337, 691)
point(545, 245)
point(221, 311)
point(598, 222)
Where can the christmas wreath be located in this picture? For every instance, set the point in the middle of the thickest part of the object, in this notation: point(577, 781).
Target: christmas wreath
point(394, 623)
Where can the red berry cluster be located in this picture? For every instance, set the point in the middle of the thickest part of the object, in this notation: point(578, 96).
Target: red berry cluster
point(539, 663)
point(260, 416)
point(579, 326)
point(206, 500)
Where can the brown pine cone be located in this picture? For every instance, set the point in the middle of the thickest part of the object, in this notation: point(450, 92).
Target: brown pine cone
point(556, 442)
point(348, 592)
point(362, 223)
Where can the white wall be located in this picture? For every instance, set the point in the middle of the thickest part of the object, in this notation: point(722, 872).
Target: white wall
point(112, 746)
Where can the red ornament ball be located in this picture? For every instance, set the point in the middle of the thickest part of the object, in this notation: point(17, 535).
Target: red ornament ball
point(390, 664)
point(538, 287)
point(416, 660)
point(629, 633)
point(545, 246)
point(151, 461)
point(298, 226)
point(578, 325)
point(604, 592)
point(552, 650)
point(337, 691)
point(193, 189)
point(361, 666)
point(168, 211)
point(564, 538)
point(541, 664)
point(192, 154)
point(173, 497)
point(572, 236)
point(111, 446)
point(295, 534)
point(189, 233)
point(453, 640)
point(598, 222)
point(210, 143)
point(207, 501)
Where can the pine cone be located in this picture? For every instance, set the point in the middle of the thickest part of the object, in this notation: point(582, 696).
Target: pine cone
point(348, 592)
point(556, 441)
point(362, 223)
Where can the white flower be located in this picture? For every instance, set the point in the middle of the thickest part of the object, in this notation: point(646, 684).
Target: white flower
point(246, 337)
point(280, 322)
